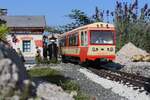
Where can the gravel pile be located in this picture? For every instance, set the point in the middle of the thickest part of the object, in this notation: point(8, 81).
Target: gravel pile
point(127, 51)
point(48, 91)
point(124, 58)
point(87, 86)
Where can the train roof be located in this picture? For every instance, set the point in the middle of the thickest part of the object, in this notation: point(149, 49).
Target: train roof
point(93, 25)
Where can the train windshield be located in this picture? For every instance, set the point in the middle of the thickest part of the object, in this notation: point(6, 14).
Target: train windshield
point(101, 37)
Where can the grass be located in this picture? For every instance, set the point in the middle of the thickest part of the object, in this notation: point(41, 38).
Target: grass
point(47, 61)
point(55, 77)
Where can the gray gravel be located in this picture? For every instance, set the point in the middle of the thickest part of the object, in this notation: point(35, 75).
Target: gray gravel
point(139, 68)
point(87, 86)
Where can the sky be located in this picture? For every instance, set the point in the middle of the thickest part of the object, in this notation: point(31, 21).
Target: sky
point(55, 11)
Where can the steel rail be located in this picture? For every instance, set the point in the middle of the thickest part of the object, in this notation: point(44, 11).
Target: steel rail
point(131, 79)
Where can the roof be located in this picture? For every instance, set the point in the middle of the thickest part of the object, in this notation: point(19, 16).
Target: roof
point(100, 25)
point(94, 25)
point(24, 21)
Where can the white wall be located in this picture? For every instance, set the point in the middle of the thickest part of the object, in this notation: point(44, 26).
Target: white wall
point(19, 44)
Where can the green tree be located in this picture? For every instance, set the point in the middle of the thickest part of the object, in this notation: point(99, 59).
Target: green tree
point(3, 30)
point(79, 17)
point(96, 16)
point(131, 26)
point(51, 29)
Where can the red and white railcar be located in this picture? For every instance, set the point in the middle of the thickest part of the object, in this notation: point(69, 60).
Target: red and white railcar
point(89, 43)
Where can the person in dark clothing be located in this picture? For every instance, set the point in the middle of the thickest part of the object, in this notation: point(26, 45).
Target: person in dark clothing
point(52, 50)
point(45, 51)
point(55, 50)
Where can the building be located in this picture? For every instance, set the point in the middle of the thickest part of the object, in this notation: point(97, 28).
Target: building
point(25, 33)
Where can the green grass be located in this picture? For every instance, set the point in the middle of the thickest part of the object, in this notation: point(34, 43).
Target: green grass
point(70, 85)
point(82, 96)
point(55, 77)
point(47, 61)
point(40, 72)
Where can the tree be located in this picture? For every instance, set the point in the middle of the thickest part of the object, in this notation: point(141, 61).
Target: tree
point(131, 26)
point(98, 16)
point(79, 17)
point(52, 29)
point(3, 30)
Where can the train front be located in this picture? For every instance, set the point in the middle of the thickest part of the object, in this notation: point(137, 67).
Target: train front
point(102, 44)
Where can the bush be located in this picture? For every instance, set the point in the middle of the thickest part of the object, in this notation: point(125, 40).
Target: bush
point(3, 32)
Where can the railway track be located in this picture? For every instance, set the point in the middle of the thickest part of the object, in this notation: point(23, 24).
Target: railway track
point(137, 82)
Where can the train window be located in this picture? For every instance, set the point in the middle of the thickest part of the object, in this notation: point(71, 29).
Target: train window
point(84, 38)
point(76, 39)
point(73, 40)
point(63, 42)
point(101, 37)
point(70, 40)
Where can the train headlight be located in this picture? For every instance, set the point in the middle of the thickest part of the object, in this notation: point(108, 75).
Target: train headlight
point(94, 49)
point(107, 49)
point(111, 49)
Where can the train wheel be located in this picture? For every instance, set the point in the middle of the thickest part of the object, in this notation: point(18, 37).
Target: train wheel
point(64, 60)
point(84, 64)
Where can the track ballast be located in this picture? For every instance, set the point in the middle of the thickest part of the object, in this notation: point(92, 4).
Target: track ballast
point(138, 82)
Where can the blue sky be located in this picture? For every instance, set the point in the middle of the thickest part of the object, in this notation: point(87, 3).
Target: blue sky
point(55, 10)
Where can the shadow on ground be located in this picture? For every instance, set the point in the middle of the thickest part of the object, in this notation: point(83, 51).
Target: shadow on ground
point(103, 65)
point(111, 65)
point(147, 86)
point(54, 79)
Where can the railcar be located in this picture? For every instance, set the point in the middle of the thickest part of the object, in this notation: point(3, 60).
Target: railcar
point(91, 42)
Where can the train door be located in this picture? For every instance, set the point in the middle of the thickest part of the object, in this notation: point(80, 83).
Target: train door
point(84, 45)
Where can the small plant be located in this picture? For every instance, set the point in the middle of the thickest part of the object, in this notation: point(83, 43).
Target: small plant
point(38, 59)
point(70, 86)
point(82, 96)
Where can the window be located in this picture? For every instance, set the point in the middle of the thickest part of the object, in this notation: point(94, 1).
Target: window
point(76, 39)
point(70, 40)
point(84, 38)
point(101, 37)
point(26, 46)
point(73, 39)
point(63, 42)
